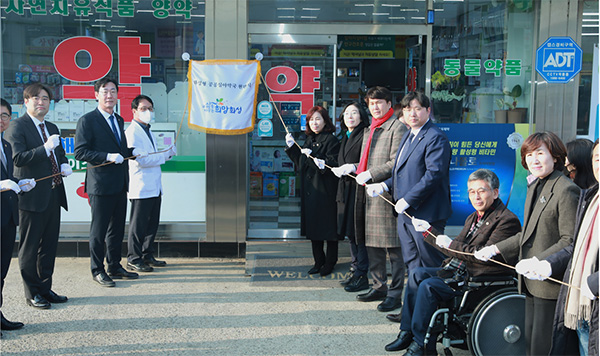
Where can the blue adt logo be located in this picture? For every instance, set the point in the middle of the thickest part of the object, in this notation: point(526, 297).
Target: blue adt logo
point(558, 60)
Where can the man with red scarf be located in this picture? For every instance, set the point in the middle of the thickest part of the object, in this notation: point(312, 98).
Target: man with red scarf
point(375, 217)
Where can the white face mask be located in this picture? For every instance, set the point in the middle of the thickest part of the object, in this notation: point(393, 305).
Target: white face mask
point(146, 116)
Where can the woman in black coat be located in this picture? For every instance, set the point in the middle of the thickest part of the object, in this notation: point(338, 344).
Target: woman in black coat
point(353, 120)
point(318, 207)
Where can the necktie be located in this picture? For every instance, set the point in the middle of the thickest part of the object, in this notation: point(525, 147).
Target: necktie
point(57, 179)
point(114, 129)
point(404, 150)
point(3, 156)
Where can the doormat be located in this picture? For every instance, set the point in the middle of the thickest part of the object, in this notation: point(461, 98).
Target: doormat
point(293, 272)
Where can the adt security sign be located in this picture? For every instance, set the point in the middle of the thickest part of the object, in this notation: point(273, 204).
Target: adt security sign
point(558, 60)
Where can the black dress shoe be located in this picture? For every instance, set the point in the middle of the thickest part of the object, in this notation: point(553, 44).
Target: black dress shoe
point(348, 279)
point(315, 269)
point(55, 298)
point(104, 280)
point(121, 273)
point(389, 304)
point(154, 262)
point(139, 267)
point(359, 283)
point(396, 318)
point(38, 302)
point(10, 325)
point(414, 350)
point(371, 296)
point(404, 339)
point(326, 270)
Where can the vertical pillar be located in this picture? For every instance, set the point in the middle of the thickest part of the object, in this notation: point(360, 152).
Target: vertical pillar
point(226, 156)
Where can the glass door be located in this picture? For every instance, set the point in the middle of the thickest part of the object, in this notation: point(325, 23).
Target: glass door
point(298, 71)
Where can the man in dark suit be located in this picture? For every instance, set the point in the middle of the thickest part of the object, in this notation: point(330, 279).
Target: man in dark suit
point(427, 287)
point(420, 182)
point(38, 153)
point(99, 138)
point(10, 214)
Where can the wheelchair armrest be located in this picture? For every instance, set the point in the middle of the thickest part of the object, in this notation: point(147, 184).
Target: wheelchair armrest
point(491, 278)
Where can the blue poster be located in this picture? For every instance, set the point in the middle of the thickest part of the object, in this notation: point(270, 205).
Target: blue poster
point(496, 147)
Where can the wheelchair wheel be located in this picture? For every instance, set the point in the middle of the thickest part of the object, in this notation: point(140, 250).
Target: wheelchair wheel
point(496, 326)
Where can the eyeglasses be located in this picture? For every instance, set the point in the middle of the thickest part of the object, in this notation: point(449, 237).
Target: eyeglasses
point(479, 192)
point(5, 117)
point(108, 91)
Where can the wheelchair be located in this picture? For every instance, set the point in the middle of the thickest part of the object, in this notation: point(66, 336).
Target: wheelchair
point(487, 319)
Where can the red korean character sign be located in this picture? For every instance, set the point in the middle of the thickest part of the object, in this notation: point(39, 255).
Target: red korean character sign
point(289, 80)
point(131, 69)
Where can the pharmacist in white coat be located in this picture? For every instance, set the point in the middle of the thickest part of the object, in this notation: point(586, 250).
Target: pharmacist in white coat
point(145, 188)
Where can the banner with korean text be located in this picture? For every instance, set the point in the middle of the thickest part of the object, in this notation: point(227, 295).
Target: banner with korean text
point(222, 95)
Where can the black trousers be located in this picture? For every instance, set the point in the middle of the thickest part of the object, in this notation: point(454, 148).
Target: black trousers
point(143, 225)
point(9, 233)
point(106, 230)
point(539, 316)
point(322, 258)
point(37, 246)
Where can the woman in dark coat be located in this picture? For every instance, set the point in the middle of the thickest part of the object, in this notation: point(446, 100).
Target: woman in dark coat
point(353, 121)
point(318, 207)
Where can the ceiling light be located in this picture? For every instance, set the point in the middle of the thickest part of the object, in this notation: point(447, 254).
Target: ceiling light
point(308, 17)
point(391, 5)
point(311, 9)
point(381, 14)
point(417, 18)
point(357, 13)
point(371, 5)
point(397, 18)
point(410, 10)
point(286, 17)
point(286, 8)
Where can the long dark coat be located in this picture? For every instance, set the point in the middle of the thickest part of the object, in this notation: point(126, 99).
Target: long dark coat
point(564, 340)
point(318, 213)
point(350, 150)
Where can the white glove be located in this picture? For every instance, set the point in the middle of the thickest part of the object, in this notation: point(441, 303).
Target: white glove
point(139, 153)
point(585, 290)
point(289, 140)
point(344, 170)
point(319, 163)
point(114, 157)
point(66, 169)
point(532, 268)
point(8, 184)
point(401, 206)
point(363, 177)
point(486, 253)
point(27, 184)
point(420, 225)
point(306, 151)
point(375, 189)
point(443, 241)
point(173, 150)
point(52, 142)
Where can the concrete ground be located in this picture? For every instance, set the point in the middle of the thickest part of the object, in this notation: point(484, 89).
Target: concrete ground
point(204, 306)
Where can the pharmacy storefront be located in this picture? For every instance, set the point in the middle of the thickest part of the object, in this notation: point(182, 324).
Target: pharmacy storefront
point(478, 60)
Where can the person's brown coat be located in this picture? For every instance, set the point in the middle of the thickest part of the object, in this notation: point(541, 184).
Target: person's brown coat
point(547, 228)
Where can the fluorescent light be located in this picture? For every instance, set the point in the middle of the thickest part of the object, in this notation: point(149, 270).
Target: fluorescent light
point(397, 18)
point(371, 5)
point(286, 17)
point(391, 5)
point(590, 34)
point(308, 17)
point(311, 9)
point(117, 26)
point(357, 13)
point(381, 14)
point(98, 25)
point(417, 18)
point(590, 20)
point(438, 9)
point(286, 8)
point(409, 10)
point(591, 14)
point(102, 20)
point(589, 26)
point(131, 31)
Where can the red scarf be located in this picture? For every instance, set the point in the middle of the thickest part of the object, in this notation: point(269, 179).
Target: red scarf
point(362, 166)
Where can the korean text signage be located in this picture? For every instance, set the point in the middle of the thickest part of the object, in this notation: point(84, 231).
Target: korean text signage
point(283, 80)
point(131, 69)
point(124, 8)
point(366, 46)
point(558, 60)
point(472, 67)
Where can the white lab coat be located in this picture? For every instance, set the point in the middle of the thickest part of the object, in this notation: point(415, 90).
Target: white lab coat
point(144, 173)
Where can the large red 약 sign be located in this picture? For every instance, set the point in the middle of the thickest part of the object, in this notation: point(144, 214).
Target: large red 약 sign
point(284, 79)
point(131, 69)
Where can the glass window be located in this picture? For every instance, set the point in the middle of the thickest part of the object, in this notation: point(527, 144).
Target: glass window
point(589, 38)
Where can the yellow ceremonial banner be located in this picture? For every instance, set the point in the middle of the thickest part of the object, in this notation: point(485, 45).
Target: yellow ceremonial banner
point(222, 95)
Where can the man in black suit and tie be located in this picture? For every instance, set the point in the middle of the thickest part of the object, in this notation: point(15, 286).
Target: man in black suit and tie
point(10, 214)
point(99, 138)
point(38, 153)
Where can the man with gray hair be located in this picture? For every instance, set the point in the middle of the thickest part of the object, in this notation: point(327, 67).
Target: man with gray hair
point(491, 222)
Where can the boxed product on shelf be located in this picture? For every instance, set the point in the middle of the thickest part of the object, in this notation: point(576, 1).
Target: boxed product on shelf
point(270, 184)
point(256, 184)
point(287, 184)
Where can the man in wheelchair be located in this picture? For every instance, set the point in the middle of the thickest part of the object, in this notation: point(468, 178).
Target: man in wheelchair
point(427, 287)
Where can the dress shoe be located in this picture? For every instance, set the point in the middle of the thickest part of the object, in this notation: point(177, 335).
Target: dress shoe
point(38, 302)
point(371, 296)
point(396, 318)
point(139, 267)
point(55, 298)
point(389, 304)
point(404, 339)
point(315, 269)
point(414, 350)
point(10, 325)
point(359, 283)
point(344, 282)
point(154, 262)
point(326, 270)
point(104, 280)
point(121, 273)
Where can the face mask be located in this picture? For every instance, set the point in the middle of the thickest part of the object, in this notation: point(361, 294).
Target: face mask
point(146, 116)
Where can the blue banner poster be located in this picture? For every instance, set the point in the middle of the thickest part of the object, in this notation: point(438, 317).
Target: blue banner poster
point(496, 147)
